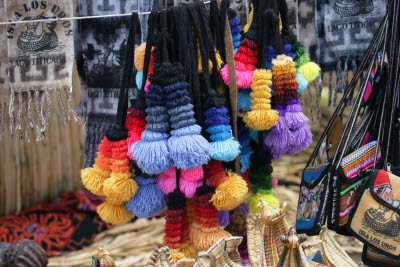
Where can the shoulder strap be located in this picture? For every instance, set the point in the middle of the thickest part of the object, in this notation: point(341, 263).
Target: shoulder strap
point(339, 109)
point(134, 31)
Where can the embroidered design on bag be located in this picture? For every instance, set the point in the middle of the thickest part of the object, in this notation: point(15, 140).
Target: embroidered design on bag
point(348, 196)
point(383, 222)
point(362, 158)
point(309, 202)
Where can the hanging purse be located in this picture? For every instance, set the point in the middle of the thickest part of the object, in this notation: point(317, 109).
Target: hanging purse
point(348, 173)
point(317, 176)
point(376, 217)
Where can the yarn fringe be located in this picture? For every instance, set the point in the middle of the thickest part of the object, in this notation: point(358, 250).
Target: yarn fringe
point(34, 108)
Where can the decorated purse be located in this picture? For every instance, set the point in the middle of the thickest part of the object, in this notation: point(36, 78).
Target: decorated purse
point(347, 184)
point(348, 171)
point(376, 217)
point(314, 189)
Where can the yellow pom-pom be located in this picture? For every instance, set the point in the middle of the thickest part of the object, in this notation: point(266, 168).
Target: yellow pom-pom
point(185, 251)
point(310, 71)
point(254, 199)
point(251, 16)
point(94, 178)
point(203, 238)
point(139, 56)
point(115, 214)
point(231, 193)
point(120, 186)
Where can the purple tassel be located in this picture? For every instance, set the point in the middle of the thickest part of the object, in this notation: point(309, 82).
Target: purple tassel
point(294, 116)
point(280, 137)
point(302, 138)
point(223, 217)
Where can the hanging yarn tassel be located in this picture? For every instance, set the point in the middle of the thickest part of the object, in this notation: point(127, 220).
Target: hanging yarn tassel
point(177, 227)
point(303, 83)
point(120, 187)
point(188, 149)
point(245, 59)
point(231, 189)
point(167, 182)
point(149, 199)
point(245, 63)
point(205, 231)
point(280, 137)
point(93, 178)
point(261, 117)
point(261, 180)
point(224, 145)
point(234, 24)
point(309, 70)
point(151, 153)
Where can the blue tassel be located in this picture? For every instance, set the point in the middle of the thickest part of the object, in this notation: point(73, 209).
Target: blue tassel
point(244, 99)
point(148, 201)
point(188, 149)
point(216, 129)
point(151, 153)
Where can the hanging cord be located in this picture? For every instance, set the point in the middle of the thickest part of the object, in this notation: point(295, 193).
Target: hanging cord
point(354, 113)
point(348, 93)
point(219, 28)
point(151, 32)
point(192, 61)
point(202, 45)
point(394, 81)
point(128, 69)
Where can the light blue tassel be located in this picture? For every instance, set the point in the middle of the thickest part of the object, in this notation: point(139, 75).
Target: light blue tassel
point(244, 99)
point(303, 83)
point(139, 79)
point(226, 150)
point(148, 201)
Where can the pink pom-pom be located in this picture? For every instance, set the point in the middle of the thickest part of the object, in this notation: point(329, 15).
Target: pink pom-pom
point(189, 174)
point(168, 184)
point(243, 77)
